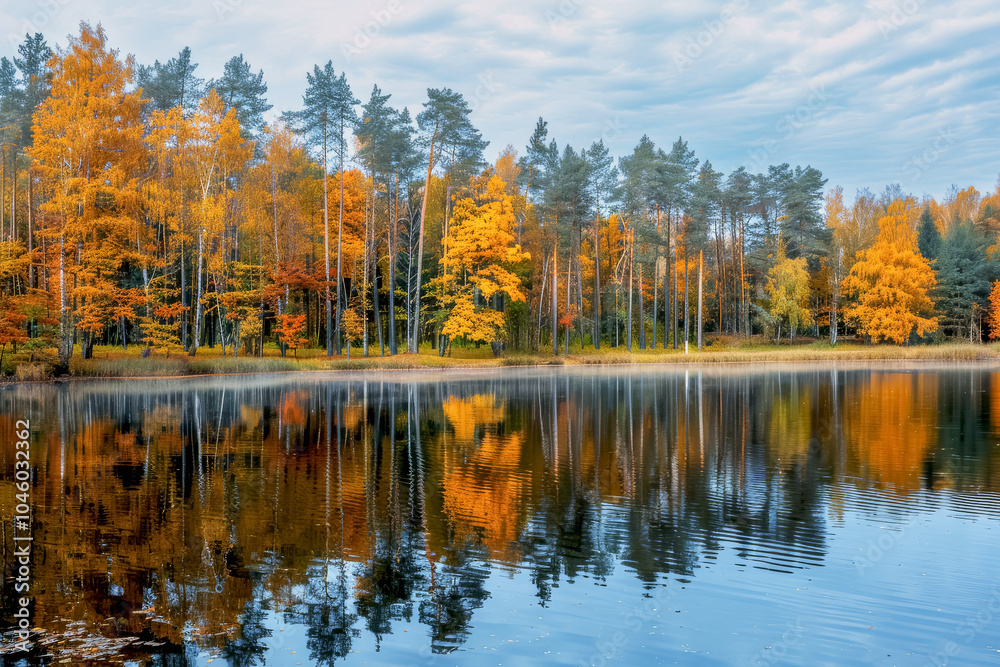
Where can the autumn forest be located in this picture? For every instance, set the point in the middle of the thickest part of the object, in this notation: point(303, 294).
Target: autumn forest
point(151, 209)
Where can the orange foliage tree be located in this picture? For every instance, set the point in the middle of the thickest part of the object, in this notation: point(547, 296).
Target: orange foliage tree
point(889, 283)
point(290, 328)
point(88, 145)
point(481, 254)
point(993, 314)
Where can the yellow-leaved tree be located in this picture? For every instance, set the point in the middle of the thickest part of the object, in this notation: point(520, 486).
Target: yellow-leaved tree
point(482, 252)
point(788, 288)
point(993, 313)
point(889, 283)
point(88, 150)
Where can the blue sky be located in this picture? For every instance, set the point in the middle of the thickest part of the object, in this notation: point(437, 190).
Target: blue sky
point(870, 93)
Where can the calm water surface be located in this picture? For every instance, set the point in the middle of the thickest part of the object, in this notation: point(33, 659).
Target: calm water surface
point(812, 515)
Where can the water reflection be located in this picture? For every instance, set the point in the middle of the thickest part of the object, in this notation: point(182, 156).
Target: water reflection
point(174, 520)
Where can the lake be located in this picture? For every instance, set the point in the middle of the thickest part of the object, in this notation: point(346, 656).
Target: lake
point(823, 514)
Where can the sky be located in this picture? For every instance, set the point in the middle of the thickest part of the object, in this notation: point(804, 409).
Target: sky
point(870, 93)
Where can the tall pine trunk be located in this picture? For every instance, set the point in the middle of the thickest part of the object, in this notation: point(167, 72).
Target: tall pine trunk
point(569, 281)
point(597, 282)
point(687, 305)
point(642, 321)
point(555, 291)
point(393, 247)
point(197, 303)
point(326, 246)
point(631, 293)
point(412, 345)
point(701, 264)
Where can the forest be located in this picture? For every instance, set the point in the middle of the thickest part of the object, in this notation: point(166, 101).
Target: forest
point(146, 207)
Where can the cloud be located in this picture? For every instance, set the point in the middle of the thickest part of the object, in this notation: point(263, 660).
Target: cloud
point(855, 88)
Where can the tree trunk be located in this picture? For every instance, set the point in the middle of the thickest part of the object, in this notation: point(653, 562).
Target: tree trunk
point(631, 296)
point(597, 283)
point(666, 293)
point(277, 255)
point(197, 303)
point(687, 305)
point(569, 281)
point(341, 297)
point(541, 302)
point(326, 246)
point(31, 234)
point(65, 335)
point(420, 248)
point(676, 324)
point(184, 301)
point(701, 265)
point(579, 298)
point(833, 307)
point(555, 291)
point(642, 319)
point(656, 293)
point(393, 248)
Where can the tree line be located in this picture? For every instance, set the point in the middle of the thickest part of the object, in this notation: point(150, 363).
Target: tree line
point(145, 205)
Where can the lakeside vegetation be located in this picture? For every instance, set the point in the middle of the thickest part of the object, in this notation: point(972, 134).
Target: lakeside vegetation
point(157, 219)
point(112, 362)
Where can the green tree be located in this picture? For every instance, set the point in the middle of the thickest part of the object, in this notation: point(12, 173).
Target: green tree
point(244, 91)
point(603, 179)
point(964, 275)
point(172, 84)
point(803, 225)
point(928, 236)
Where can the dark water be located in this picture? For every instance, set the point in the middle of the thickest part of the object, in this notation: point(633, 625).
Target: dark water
point(823, 515)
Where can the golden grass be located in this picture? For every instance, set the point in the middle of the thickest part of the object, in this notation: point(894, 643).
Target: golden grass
point(116, 363)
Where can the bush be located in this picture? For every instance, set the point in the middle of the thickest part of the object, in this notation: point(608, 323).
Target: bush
point(31, 373)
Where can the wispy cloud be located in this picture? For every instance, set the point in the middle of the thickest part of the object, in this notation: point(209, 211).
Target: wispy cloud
point(894, 72)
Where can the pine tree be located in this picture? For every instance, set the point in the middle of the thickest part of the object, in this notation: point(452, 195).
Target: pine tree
point(244, 91)
point(328, 112)
point(928, 236)
point(445, 125)
point(172, 84)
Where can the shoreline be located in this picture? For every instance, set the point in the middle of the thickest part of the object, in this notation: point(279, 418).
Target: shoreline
point(176, 368)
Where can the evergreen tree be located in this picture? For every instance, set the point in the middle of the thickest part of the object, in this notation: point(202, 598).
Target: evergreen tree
point(172, 84)
point(327, 113)
point(603, 179)
point(803, 226)
point(244, 91)
point(964, 275)
point(928, 236)
point(445, 126)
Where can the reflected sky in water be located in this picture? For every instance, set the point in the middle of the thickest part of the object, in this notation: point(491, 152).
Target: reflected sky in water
point(573, 516)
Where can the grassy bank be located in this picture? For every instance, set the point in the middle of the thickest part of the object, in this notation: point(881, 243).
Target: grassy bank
point(111, 362)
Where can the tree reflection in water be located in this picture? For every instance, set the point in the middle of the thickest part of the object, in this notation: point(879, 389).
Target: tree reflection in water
point(186, 517)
